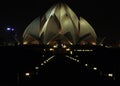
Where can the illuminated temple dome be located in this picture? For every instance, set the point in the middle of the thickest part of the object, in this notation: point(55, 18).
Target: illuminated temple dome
point(59, 25)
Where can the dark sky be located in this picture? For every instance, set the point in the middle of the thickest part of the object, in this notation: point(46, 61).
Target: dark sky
point(103, 15)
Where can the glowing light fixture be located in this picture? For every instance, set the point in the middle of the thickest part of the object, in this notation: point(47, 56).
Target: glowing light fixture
point(94, 68)
point(8, 28)
point(27, 74)
point(12, 29)
point(36, 68)
point(51, 49)
point(55, 46)
point(110, 75)
point(42, 64)
point(68, 49)
point(24, 43)
point(86, 65)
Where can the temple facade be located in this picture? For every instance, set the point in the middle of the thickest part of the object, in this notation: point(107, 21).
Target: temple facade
point(59, 25)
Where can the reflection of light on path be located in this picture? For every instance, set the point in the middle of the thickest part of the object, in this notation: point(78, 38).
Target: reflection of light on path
point(72, 58)
point(44, 62)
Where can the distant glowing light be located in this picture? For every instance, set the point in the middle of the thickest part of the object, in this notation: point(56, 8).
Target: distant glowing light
point(55, 46)
point(27, 74)
point(72, 58)
point(51, 49)
point(101, 45)
point(84, 50)
point(44, 49)
point(71, 52)
point(42, 64)
point(8, 28)
point(45, 62)
point(93, 43)
point(86, 65)
point(110, 75)
point(94, 68)
point(68, 49)
point(12, 29)
point(50, 58)
point(78, 61)
point(36, 68)
point(25, 42)
point(64, 46)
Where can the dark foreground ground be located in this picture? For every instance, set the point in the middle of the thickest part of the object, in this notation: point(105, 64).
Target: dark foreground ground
point(84, 68)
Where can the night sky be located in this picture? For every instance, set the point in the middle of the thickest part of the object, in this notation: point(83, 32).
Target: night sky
point(103, 15)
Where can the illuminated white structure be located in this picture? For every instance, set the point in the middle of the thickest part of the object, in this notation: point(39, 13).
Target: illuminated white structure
point(59, 25)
